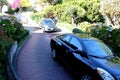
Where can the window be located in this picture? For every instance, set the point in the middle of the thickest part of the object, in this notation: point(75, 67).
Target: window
point(66, 38)
point(76, 43)
point(97, 48)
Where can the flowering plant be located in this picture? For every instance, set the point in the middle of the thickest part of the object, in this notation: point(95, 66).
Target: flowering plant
point(10, 28)
point(15, 4)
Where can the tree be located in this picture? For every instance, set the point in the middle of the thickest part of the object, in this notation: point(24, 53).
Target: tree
point(111, 9)
point(87, 10)
point(14, 7)
point(25, 3)
point(76, 13)
point(2, 3)
point(53, 2)
point(40, 2)
point(92, 8)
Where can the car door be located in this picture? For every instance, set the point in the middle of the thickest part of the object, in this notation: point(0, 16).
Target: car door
point(78, 58)
point(64, 41)
point(74, 54)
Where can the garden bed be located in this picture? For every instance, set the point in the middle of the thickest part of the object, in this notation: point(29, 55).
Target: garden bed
point(10, 31)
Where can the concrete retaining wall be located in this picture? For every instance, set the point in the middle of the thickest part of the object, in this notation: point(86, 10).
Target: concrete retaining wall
point(11, 65)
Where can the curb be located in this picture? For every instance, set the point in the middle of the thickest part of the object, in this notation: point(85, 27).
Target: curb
point(13, 58)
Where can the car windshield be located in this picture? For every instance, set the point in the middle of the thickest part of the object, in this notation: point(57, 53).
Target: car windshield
point(48, 22)
point(97, 48)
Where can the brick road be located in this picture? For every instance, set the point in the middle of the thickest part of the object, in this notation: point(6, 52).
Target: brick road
point(36, 63)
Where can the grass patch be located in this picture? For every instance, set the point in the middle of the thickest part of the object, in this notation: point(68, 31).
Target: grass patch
point(66, 25)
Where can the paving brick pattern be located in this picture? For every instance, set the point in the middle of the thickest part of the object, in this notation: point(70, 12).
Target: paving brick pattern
point(36, 63)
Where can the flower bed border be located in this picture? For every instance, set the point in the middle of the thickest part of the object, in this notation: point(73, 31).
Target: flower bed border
point(13, 58)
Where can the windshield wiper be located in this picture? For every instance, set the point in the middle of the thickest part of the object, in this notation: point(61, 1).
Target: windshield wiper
point(106, 57)
point(94, 56)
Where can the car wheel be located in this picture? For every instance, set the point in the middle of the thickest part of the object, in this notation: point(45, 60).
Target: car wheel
point(86, 77)
point(54, 54)
point(40, 28)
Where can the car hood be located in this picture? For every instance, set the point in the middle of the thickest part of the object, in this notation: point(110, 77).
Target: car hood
point(112, 65)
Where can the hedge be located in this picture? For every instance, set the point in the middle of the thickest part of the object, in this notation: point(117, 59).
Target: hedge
point(10, 30)
point(107, 34)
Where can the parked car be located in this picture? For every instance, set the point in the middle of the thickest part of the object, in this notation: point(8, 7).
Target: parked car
point(86, 56)
point(48, 25)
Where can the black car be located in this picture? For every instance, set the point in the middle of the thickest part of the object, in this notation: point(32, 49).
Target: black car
point(86, 56)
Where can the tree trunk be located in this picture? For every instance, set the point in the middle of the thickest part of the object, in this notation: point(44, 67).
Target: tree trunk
point(116, 21)
point(108, 20)
point(0, 9)
point(113, 21)
point(73, 24)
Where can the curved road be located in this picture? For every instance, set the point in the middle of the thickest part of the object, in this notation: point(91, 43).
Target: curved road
point(36, 63)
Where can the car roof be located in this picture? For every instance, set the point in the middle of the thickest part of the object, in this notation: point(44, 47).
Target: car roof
point(83, 37)
point(47, 19)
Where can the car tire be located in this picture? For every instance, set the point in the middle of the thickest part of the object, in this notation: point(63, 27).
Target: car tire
point(54, 54)
point(40, 28)
point(86, 77)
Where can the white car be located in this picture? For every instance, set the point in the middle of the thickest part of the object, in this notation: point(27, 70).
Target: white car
point(48, 25)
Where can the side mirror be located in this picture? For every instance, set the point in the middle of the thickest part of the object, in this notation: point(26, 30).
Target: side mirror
point(80, 52)
point(77, 51)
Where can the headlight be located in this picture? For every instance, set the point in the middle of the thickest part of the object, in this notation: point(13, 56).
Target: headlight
point(104, 74)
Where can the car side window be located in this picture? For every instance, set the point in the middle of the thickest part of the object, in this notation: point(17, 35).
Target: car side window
point(66, 38)
point(74, 42)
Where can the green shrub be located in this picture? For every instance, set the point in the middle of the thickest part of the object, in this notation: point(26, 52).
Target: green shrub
point(108, 35)
point(10, 30)
point(22, 35)
point(115, 40)
point(10, 11)
point(103, 32)
point(37, 16)
point(8, 27)
point(85, 27)
point(76, 30)
point(5, 43)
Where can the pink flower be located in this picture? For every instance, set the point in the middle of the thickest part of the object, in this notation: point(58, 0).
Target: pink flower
point(16, 4)
point(17, 0)
point(13, 5)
